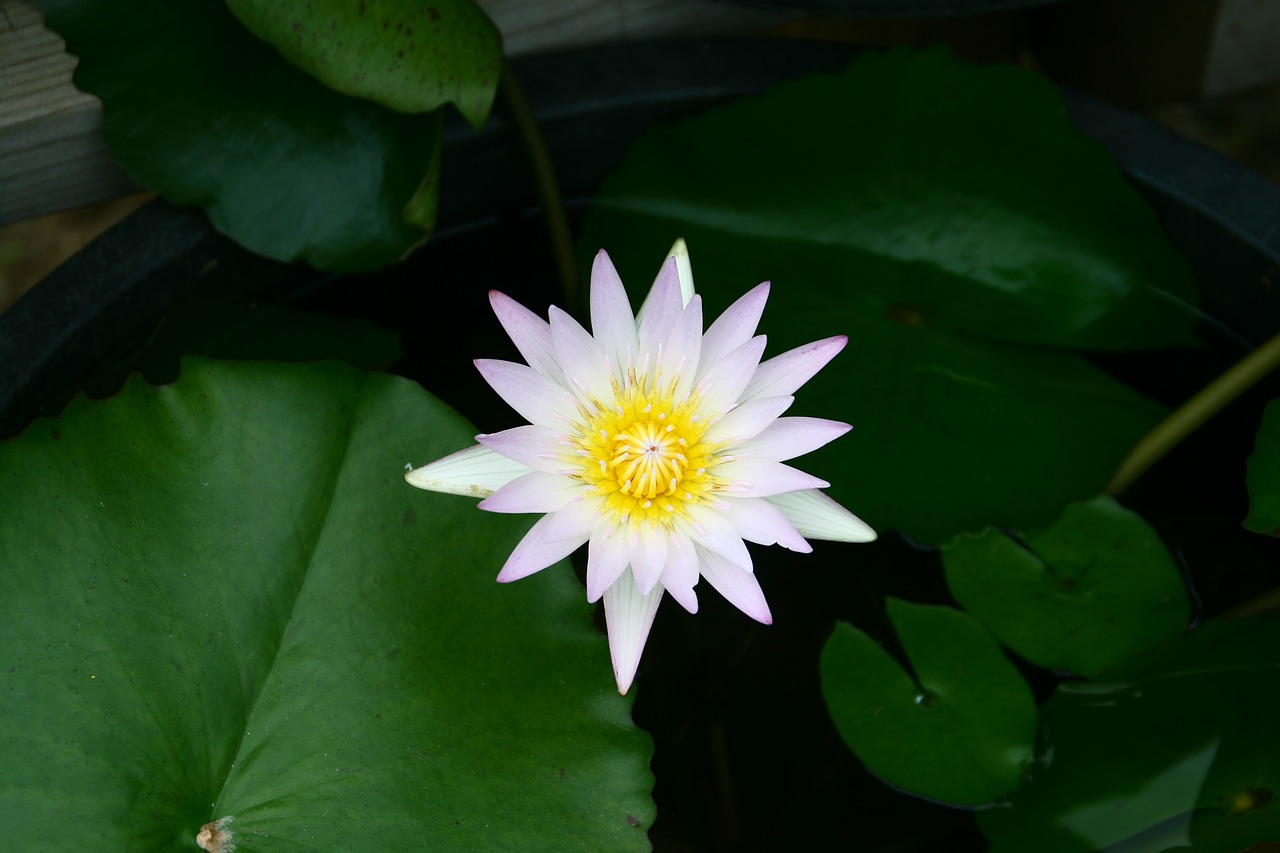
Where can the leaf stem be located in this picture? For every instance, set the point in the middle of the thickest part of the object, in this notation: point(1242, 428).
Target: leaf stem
point(544, 174)
point(1191, 414)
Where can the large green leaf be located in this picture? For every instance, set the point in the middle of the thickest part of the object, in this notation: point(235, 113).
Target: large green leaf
point(1264, 476)
point(902, 218)
point(963, 734)
point(405, 54)
point(1174, 751)
point(1082, 594)
point(220, 599)
point(198, 109)
point(961, 192)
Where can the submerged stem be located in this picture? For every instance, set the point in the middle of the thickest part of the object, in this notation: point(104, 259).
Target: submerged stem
point(544, 174)
point(1191, 414)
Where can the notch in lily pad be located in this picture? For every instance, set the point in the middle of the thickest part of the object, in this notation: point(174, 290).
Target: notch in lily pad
point(1081, 595)
point(961, 731)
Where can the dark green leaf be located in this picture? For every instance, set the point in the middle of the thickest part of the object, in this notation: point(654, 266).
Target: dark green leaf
point(198, 109)
point(862, 233)
point(219, 599)
point(404, 54)
point(1264, 476)
point(1176, 750)
point(1082, 594)
point(964, 734)
point(908, 173)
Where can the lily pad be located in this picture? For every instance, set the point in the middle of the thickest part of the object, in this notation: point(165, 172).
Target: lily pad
point(1082, 595)
point(404, 54)
point(942, 239)
point(1264, 476)
point(1176, 750)
point(220, 600)
point(961, 731)
point(199, 110)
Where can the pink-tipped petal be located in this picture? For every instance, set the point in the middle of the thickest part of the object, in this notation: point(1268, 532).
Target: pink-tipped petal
point(787, 438)
point(783, 374)
point(722, 385)
point(538, 399)
point(535, 552)
point(661, 313)
point(530, 333)
point(684, 349)
point(755, 477)
point(612, 322)
point(648, 555)
point(710, 530)
point(759, 521)
point(474, 472)
point(586, 369)
point(738, 586)
point(736, 325)
point(608, 555)
point(817, 516)
point(747, 421)
point(530, 445)
point(681, 573)
point(536, 492)
point(628, 615)
point(577, 518)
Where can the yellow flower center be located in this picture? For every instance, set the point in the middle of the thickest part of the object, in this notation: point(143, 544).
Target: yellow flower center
point(646, 455)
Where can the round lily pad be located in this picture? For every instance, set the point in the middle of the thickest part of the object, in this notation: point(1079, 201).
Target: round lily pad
point(960, 730)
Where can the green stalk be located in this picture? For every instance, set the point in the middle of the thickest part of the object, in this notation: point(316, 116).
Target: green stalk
point(1187, 418)
point(544, 174)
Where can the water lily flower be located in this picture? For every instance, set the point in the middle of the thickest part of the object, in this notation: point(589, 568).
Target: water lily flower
point(659, 446)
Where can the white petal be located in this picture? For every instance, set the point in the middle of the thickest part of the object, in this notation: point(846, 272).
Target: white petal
point(736, 325)
point(819, 517)
point(607, 556)
point(612, 322)
point(722, 385)
point(684, 348)
point(761, 522)
point(586, 369)
point(576, 519)
point(706, 527)
point(535, 552)
point(661, 314)
point(684, 269)
point(783, 374)
point(747, 421)
point(476, 471)
point(539, 400)
point(739, 586)
point(530, 333)
point(680, 575)
point(755, 477)
point(648, 555)
point(540, 448)
point(787, 438)
point(535, 492)
point(628, 615)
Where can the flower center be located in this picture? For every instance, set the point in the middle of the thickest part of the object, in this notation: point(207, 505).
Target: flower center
point(646, 456)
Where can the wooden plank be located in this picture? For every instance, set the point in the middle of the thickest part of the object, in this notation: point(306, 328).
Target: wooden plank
point(52, 154)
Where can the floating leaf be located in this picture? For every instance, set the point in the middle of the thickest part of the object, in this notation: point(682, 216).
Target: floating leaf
point(1082, 594)
point(937, 235)
point(198, 109)
point(404, 54)
point(1264, 476)
point(1175, 750)
point(964, 734)
point(221, 600)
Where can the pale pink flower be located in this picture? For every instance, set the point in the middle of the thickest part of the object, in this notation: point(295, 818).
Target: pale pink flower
point(658, 446)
